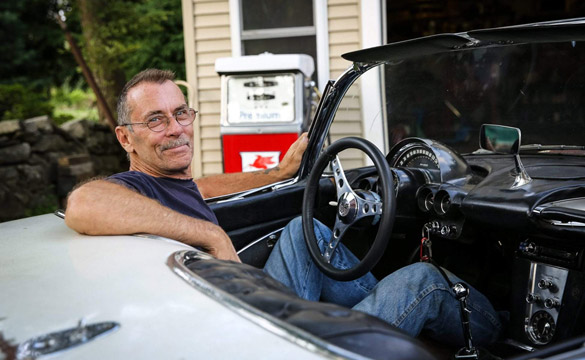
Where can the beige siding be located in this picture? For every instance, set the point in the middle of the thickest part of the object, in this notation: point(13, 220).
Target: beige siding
point(208, 108)
point(212, 41)
point(344, 36)
point(210, 21)
point(341, 2)
point(214, 32)
point(210, 7)
point(207, 58)
point(343, 24)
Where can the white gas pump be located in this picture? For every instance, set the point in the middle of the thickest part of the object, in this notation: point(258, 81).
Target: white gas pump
point(265, 106)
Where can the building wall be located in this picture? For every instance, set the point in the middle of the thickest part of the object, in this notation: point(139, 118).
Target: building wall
point(207, 37)
point(344, 36)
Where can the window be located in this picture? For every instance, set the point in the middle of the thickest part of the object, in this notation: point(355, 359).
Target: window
point(262, 14)
point(278, 27)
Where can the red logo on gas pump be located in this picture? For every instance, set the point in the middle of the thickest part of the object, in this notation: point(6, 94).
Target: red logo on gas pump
point(259, 160)
point(262, 162)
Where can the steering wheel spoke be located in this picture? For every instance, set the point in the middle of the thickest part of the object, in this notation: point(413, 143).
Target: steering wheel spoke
point(341, 184)
point(338, 230)
point(370, 207)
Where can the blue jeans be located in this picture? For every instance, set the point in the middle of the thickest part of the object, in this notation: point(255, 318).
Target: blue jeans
point(414, 298)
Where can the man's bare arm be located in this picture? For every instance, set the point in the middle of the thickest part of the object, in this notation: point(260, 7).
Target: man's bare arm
point(230, 183)
point(101, 207)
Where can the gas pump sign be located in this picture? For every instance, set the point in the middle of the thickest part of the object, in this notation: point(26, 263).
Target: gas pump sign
point(263, 108)
point(261, 99)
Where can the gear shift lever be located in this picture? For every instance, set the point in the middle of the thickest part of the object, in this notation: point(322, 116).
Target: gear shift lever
point(461, 292)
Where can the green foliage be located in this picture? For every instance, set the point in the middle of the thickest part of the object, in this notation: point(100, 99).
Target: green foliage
point(159, 43)
point(47, 203)
point(123, 37)
point(20, 102)
point(32, 45)
point(133, 35)
point(72, 103)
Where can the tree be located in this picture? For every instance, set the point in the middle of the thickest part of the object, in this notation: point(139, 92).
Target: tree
point(160, 42)
point(123, 37)
point(32, 49)
point(32, 58)
point(118, 38)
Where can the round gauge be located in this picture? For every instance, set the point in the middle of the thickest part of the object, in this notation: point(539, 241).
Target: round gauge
point(442, 202)
point(371, 183)
point(425, 198)
point(418, 157)
point(428, 201)
point(541, 327)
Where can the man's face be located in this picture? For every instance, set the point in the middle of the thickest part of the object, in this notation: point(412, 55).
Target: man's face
point(166, 153)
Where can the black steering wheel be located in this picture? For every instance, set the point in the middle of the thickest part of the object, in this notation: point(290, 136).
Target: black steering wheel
point(352, 206)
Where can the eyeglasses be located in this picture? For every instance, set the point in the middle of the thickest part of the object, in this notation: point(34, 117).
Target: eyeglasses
point(159, 123)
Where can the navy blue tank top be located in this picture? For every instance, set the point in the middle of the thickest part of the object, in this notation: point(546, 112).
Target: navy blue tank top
point(180, 195)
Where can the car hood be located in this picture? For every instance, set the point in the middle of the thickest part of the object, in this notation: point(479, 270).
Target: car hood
point(51, 278)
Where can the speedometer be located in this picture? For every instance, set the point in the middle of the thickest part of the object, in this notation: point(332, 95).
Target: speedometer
point(431, 159)
point(418, 157)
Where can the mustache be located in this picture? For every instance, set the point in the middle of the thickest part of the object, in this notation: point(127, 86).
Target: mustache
point(181, 140)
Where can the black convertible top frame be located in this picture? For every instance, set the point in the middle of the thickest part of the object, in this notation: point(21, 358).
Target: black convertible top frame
point(553, 31)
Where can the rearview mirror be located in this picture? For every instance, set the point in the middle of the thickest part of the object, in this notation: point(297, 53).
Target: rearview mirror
point(500, 139)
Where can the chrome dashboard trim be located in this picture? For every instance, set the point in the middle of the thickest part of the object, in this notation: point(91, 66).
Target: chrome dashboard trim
point(555, 275)
point(577, 203)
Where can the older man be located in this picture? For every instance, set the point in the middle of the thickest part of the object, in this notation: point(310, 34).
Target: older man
point(158, 195)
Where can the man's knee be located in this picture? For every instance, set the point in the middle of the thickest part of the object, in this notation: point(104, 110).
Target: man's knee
point(293, 232)
point(416, 278)
point(295, 224)
point(292, 236)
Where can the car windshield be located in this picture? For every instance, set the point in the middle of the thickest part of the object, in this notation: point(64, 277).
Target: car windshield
point(538, 88)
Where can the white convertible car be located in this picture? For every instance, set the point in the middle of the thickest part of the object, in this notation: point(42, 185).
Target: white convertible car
point(130, 297)
point(487, 136)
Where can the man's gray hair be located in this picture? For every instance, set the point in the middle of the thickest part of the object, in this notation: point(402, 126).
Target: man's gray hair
point(146, 76)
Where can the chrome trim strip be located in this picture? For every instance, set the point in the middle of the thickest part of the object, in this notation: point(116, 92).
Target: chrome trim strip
point(60, 213)
point(519, 345)
point(577, 203)
point(276, 326)
point(241, 195)
point(565, 224)
point(260, 240)
point(64, 340)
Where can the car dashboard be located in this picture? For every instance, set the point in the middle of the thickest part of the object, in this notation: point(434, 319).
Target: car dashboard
point(530, 238)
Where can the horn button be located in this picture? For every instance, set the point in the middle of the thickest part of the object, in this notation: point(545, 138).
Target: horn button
point(347, 208)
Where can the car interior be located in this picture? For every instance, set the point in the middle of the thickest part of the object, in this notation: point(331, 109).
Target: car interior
point(485, 176)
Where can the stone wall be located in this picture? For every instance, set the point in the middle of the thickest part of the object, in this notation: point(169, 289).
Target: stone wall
point(41, 162)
